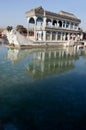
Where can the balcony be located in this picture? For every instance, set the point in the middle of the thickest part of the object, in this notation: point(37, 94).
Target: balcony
point(64, 28)
point(55, 27)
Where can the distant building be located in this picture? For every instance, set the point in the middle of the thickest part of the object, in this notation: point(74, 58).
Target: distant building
point(50, 26)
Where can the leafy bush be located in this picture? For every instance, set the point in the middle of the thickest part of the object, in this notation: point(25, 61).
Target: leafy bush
point(9, 28)
point(21, 29)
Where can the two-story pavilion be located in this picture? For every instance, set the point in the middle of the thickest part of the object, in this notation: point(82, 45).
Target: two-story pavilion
point(50, 26)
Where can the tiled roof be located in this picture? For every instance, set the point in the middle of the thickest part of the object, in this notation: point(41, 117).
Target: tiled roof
point(61, 14)
point(67, 14)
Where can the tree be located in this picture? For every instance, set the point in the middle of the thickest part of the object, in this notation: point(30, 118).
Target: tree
point(9, 28)
point(21, 29)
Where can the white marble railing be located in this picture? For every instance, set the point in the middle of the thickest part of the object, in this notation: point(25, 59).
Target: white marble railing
point(57, 27)
point(52, 26)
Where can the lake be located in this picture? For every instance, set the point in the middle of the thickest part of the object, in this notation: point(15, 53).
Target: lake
point(43, 89)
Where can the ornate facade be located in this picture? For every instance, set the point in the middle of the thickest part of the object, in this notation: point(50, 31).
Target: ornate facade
point(49, 26)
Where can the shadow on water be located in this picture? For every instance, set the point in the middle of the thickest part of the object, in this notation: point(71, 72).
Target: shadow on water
point(42, 89)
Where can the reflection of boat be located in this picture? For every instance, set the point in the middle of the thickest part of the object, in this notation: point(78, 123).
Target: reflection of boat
point(16, 55)
point(46, 61)
point(51, 61)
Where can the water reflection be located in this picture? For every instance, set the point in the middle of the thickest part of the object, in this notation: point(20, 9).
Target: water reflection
point(16, 55)
point(3, 41)
point(45, 62)
point(57, 102)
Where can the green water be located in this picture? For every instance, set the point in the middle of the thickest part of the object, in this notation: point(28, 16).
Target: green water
point(43, 89)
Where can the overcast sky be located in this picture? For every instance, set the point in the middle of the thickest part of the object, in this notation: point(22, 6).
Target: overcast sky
point(12, 12)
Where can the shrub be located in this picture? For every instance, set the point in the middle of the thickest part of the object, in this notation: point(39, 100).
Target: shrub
point(9, 28)
point(21, 29)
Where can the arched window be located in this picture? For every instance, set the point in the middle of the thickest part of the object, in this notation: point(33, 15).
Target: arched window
point(76, 26)
point(60, 23)
point(67, 24)
point(32, 21)
point(48, 22)
point(63, 23)
point(39, 21)
point(31, 26)
point(54, 22)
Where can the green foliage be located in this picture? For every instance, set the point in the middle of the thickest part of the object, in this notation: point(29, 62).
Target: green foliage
point(9, 28)
point(21, 29)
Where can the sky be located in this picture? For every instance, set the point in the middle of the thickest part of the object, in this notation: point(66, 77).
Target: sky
point(12, 12)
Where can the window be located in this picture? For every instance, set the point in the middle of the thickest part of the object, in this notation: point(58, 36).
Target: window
point(67, 25)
